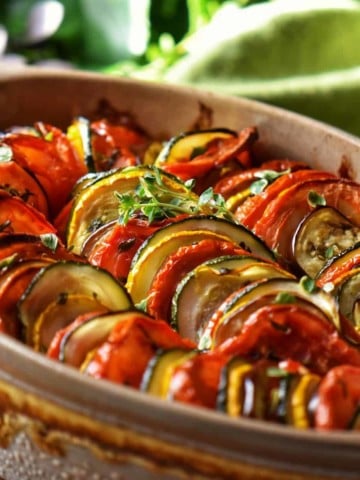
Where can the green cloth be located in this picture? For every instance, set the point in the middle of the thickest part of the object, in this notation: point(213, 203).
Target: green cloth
point(303, 55)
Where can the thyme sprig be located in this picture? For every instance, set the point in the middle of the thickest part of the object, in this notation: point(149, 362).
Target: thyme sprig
point(266, 177)
point(154, 200)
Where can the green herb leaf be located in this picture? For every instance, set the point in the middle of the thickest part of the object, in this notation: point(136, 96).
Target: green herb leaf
point(6, 154)
point(49, 137)
point(258, 186)
point(50, 240)
point(8, 261)
point(284, 298)
point(329, 252)
point(153, 200)
point(308, 284)
point(266, 177)
point(205, 342)
point(142, 305)
point(316, 200)
point(276, 372)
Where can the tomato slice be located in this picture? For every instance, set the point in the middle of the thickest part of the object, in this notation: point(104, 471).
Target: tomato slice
point(54, 349)
point(20, 183)
point(282, 216)
point(16, 216)
point(289, 331)
point(116, 146)
point(62, 218)
point(280, 164)
point(238, 181)
point(20, 247)
point(114, 246)
point(13, 283)
point(250, 212)
point(53, 161)
point(125, 355)
point(338, 398)
point(197, 380)
point(176, 266)
point(216, 155)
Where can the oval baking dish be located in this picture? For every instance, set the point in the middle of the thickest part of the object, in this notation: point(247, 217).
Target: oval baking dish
point(59, 424)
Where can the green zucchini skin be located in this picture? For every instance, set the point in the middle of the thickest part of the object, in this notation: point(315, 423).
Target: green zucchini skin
point(86, 336)
point(157, 375)
point(233, 310)
point(203, 290)
point(96, 204)
point(58, 282)
point(185, 145)
point(239, 234)
point(165, 241)
point(265, 390)
point(82, 128)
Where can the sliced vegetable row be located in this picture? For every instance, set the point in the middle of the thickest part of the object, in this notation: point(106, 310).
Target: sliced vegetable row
point(236, 292)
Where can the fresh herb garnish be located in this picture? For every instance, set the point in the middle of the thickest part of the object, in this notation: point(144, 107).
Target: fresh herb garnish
point(284, 298)
point(154, 200)
point(50, 240)
point(329, 252)
point(5, 154)
point(8, 261)
point(316, 200)
point(277, 372)
point(308, 284)
point(265, 178)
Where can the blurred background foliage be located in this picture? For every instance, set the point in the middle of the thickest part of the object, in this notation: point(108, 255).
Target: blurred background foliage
point(97, 33)
point(302, 55)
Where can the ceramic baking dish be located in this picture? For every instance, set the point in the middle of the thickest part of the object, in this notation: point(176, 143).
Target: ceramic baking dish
point(58, 424)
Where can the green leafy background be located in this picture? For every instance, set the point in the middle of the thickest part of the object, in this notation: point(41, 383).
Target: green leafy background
point(303, 55)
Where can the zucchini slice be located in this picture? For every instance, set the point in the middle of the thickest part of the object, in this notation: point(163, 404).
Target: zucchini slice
point(240, 235)
point(79, 135)
point(85, 337)
point(144, 269)
point(157, 375)
point(97, 204)
point(232, 393)
point(323, 233)
point(163, 242)
point(233, 202)
point(302, 395)
point(188, 145)
point(203, 290)
point(230, 316)
point(60, 292)
point(264, 390)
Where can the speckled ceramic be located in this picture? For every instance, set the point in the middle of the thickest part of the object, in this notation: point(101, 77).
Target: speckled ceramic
point(56, 424)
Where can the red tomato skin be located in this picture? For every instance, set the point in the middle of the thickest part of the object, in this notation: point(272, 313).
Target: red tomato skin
point(55, 345)
point(116, 146)
point(18, 182)
point(283, 215)
point(338, 398)
point(177, 266)
point(197, 380)
point(251, 211)
point(54, 164)
point(131, 344)
point(115, 250)
point(16, 216)
point(291, 332)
